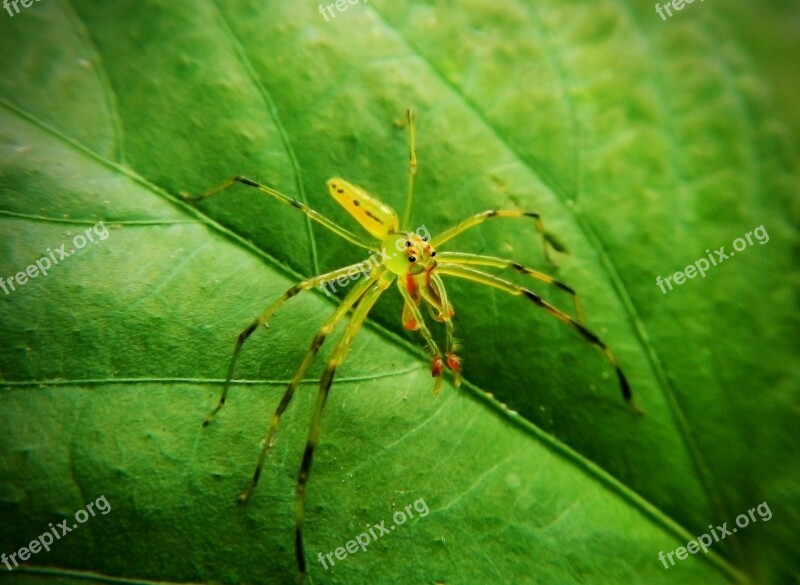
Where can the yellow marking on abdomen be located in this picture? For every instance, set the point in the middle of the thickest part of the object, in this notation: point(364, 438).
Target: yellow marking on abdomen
point(374, 216)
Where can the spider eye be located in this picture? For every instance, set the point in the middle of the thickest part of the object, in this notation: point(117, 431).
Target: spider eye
point(408, 244)
point(424, 239)
point(433, 253)
point(412, 259)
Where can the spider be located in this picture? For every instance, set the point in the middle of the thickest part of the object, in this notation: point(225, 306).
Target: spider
point(416, 266)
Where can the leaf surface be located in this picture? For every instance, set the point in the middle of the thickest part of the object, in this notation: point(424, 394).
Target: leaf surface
point(642, 143)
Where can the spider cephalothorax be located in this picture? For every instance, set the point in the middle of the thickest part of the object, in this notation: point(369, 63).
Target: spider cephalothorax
point(412, 260)
point(412, 253)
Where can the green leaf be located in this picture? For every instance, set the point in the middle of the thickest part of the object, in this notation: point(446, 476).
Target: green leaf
point(641, 142)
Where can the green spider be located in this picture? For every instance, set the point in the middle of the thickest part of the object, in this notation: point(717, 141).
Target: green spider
point(417, 267)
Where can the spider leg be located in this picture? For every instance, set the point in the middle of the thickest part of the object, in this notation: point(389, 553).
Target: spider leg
point(264, 318)
point(314, 215)
point(437, 366)
point(479, 218)
point(337, 356)
point(352, 297)
point(513, 289)
point(465, 259)
point(435, 294)
point(412, 169)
